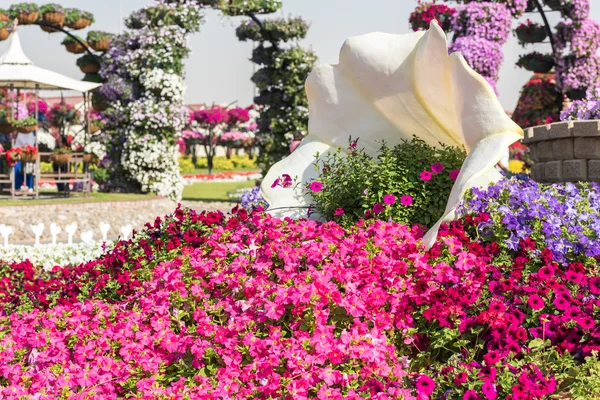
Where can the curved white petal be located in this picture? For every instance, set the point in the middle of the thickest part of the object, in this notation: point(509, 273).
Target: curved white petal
point(388, 88)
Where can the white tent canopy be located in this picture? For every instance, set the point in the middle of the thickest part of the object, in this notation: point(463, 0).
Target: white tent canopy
point(17, 71)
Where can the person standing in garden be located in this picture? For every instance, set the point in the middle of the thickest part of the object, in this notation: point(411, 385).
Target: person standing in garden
point(24, 172)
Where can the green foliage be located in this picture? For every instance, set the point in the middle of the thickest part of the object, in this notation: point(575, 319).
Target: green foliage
point(73, 14)
point(243, 7)
point(355, 183)
point(62, 150)
point(101, 175)
point(88, 59)
point(68, 40)
point(22, 8)
point(186, 166)
point(51, 8)
point(96, 36)
point(278, 30)
point(29, 121)
point(5, 24)
point(93, 78)
point(224, 164)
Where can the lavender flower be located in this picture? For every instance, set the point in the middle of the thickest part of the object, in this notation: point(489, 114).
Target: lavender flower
point(491, 21)
point(252, 199)
point(483, 56)
point(575, 73)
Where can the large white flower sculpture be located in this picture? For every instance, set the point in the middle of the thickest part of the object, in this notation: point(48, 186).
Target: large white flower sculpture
point(392, 87)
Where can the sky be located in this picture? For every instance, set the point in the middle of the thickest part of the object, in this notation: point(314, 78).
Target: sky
point(218, 69)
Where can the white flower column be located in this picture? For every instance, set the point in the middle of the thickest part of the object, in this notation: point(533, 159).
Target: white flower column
point(390, 88)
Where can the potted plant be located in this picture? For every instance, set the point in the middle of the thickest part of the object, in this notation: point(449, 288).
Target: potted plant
point(24, 125)
point(25, 13)
point(531, 32)
point(98, 40)
point(556, 5)
point(24, 154)
point(61, 156)
point(73, 46)
point(536, 62)
point(61, 114)
point(4, 15)
point(96, 122)
point(89, 64)
point(98, 102)
point(427, 12)
point(52, 14)
point(78, 19)
point(5, 30)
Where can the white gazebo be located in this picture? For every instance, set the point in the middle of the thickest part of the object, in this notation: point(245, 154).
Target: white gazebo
point(17, 72)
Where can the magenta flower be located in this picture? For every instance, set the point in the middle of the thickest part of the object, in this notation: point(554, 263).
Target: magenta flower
point(426, 176)
point(535, 302)
point(425, 385)
point(437, 167)
point(275, 183)
point(316, 186)
point(339, 211)
point(378, 208)
point(389, 199)
point(287, 181)
point(454, 174)
point(406, 200)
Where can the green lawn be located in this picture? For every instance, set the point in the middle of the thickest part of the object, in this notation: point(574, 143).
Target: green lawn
point(216, 171)
point(53, 198)
point(213, 191)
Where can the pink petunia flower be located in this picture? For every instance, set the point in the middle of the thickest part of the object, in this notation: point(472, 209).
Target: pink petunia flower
point(425, 385)
point(339, 211)
point(437, 168)
point(535, 302)
point(454, 174)
point(316, 186)
point(406, 200)
point(389, 199)
point(378, 208)
point(426, 176)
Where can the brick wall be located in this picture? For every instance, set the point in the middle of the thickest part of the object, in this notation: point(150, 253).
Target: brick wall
point(565, 151)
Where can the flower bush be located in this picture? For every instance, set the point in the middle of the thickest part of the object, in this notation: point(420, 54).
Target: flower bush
point(15, 154)
point(203, 306)
point(586, 109)
point(483, 56)
point(540, 102)
point(486, 20)
point(409, 183)
point(48, 256)
point(578, 73)
point(427, 12)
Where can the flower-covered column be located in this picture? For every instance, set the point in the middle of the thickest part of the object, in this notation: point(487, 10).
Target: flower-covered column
point(144, 88)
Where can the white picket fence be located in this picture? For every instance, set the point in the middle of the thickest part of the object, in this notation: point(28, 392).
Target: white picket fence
point(71, 229)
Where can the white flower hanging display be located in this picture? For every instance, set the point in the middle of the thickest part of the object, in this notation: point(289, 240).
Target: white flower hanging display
point(390, 88)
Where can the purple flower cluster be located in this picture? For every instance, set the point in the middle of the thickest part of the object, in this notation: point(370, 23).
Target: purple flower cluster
point(579, 10)
point(563, 217)
point(483, 56)
point(589, 108)
point(585, 38)
point(575, 73)
point(117, 89)
point(491, 21)
point(251, 199)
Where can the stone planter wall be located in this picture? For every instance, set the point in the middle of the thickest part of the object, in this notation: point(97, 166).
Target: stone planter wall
point(565, 151)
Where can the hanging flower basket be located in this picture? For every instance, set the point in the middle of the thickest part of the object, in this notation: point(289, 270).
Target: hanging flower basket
point(531, 33)
point(4, 34)
point(99, 41)
point(576, 94)
point(89, 159)
point(90, 68)
point(28, 18)
point(101, 45)
point(99, 103)
point(556, 5)
point(74, 46)
point(4, 16)
point(80, 23)
point(78, 19)
point(54, 18)
point(94, 128)
point(89, 64)
point(26, 128)
point(536, 62)
point(26, 157)
point(61, 158)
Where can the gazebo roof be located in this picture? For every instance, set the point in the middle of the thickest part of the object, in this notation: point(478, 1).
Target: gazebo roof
point(17, 70)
